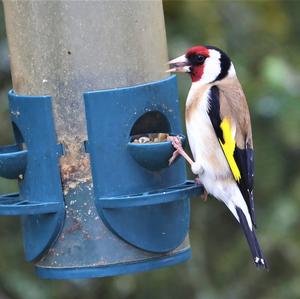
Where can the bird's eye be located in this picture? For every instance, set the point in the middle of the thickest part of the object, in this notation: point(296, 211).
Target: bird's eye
point(196, 59)
point(199, 58)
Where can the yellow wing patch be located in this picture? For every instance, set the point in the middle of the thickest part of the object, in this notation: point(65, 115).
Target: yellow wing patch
point(228, 148)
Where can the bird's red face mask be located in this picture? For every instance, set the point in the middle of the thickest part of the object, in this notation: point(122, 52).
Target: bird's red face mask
point(193, 62)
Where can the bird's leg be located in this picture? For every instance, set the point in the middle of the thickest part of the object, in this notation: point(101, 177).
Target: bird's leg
point(176, 142)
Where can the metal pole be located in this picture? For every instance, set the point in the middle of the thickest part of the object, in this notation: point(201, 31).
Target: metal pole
point(62, 49)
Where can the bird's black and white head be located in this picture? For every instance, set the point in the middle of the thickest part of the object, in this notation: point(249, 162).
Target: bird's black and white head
point(205, 64)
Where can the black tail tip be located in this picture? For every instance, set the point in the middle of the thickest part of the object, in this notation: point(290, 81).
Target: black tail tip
point(261, 263)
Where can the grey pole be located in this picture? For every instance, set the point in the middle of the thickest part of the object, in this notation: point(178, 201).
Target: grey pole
point(62, 49)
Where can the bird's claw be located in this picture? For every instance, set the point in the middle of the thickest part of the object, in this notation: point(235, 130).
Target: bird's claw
point(198, 182)
point(204, 195)
point(176, 142)
point(174, 157)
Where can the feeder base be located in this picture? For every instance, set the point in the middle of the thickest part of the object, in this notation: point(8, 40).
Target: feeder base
point(114, 269)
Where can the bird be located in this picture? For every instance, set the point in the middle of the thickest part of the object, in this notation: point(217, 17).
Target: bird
point(219, 132)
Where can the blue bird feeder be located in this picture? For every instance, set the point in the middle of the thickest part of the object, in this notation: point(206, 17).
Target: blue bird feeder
point(93, 201)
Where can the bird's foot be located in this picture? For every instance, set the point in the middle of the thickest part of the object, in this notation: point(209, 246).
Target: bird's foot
point(177, 144)
point(197, 182)
point(175, 141)
point(204, 195)
point(174, 157)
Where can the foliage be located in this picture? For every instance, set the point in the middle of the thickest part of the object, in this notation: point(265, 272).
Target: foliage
point(262, 38)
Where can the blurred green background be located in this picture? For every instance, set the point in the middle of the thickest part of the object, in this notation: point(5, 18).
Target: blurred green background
point(263, 40)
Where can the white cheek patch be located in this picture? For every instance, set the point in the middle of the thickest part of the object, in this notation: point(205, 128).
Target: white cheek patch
point(212, 67)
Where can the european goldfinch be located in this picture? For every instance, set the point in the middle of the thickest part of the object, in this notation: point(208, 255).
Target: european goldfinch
point(220, 136)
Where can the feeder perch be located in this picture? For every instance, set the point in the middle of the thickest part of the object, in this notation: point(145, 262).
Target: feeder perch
point(34, 162)
point(152, 156)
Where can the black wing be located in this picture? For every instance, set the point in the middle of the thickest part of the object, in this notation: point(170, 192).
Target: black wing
point(240, 160)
